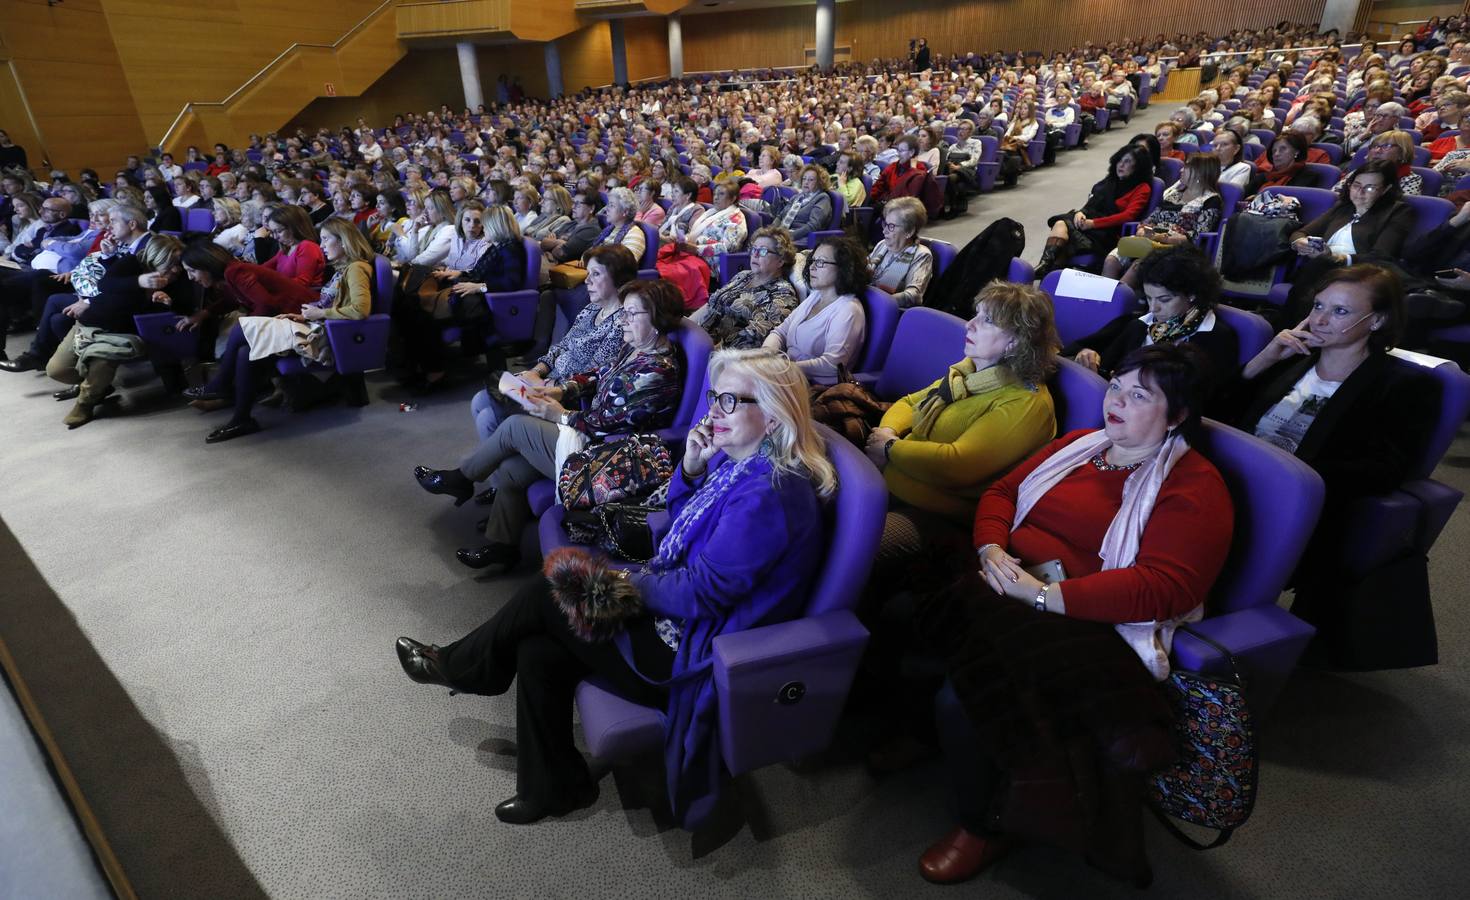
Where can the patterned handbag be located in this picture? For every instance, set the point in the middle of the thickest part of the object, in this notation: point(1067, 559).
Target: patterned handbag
point(621, 470)
point(1213, 783)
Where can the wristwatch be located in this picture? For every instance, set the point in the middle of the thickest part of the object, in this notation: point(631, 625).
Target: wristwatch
point(1041, 598)
point(565, 418)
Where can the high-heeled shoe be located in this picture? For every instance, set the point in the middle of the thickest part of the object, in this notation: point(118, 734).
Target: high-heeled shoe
point(445, 481)
point(504, 555)
point(485, 497)
point(420, 662)
point(519, 811)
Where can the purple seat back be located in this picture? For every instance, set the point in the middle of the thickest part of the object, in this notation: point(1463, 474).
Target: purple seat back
point(944, 253)
point(1432, 180)
point(1077, 393)
point(650, 250)
point(1429, 214)
point(697, 348)
point(1020, 272)
point(382, 285)
point(855, 524)
point(1253, 332)
point(1277, 501)
point(839, 208)
point(882, 314)
point(925, 343)
point(196, 219)
point(1326, 175)
point(1169, 169)
point(1076, 317)
point(1333, 151)
point(533, 263)
point(1314, 201)
point(1454, 405)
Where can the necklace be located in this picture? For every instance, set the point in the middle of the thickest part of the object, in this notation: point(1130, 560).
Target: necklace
point(1100, 462)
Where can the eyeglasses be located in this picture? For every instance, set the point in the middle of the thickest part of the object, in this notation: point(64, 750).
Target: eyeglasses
point(816, 263)
point(727, 401)
point(762, 251)
point(1367, 188)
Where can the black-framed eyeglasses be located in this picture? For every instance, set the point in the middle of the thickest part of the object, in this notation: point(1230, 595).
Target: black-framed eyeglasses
point(727, 401)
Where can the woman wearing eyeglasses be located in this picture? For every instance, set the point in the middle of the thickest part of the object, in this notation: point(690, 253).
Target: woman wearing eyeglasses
point(741, 313)
point(1369, 222)
point(902, 265)
point(827, 330)
point(756, 466)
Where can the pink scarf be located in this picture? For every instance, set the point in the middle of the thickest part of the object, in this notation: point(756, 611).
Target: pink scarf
point(1150, 640)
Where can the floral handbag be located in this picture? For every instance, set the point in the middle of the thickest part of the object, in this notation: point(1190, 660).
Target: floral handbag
point(1213, 782)
point(621, 470)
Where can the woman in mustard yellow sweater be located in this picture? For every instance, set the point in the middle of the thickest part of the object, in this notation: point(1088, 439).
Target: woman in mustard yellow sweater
point(941, 447)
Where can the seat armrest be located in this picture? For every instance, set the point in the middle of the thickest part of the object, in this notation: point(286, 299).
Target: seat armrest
point(782, 687)
point(1266, 641)
point(165, 340)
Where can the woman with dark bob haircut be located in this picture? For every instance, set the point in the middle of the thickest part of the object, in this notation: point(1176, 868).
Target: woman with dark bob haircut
point(1120, 197)
point(1181, 288)
point(827, 330)
point(638, 392)
point(1047, 677)
point(1328, 391)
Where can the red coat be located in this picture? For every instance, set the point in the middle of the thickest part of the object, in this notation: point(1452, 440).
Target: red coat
point(913, 181)
point(262, 291)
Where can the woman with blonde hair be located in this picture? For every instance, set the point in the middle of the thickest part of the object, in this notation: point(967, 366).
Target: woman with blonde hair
point(555, 210)
point(253, 346)
point(499, 266)
point(425, 238)
point(755, 466)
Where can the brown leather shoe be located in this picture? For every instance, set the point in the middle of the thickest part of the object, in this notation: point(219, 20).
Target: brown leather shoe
point(960, 856)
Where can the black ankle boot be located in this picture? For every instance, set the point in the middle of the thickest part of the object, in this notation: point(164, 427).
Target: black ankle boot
point(445, 481)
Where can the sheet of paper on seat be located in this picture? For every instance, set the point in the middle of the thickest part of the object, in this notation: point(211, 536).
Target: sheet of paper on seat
point(517, 389)
point(1423, 359)
point(10, 263)
point(1082, 285)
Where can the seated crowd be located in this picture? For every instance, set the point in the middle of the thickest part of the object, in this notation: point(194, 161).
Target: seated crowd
point(681, 179)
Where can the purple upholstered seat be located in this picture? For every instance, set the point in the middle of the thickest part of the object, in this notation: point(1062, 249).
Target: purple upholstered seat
point(882, 314)
point(1077, 392)
point(944, 253)
point(839, 211)
point(1277, 501)
point(780, 687)
point(1021, 272)
point(358, 345)
point(925, 342)
point(197, 219)
point(1252, 330)
point(1076, 317)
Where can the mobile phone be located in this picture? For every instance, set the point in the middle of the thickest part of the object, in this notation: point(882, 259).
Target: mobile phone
point(1049, 572)
point(1447, 273)
point(1316, 243)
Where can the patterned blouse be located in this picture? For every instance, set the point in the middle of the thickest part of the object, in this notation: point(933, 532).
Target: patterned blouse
point(676, 224)
point(1198, 216)
point(587, 345)
point(718, 231)
point(638, 392)
point(741, 314)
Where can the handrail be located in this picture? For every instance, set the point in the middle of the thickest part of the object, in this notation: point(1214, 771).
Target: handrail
point(189, 107)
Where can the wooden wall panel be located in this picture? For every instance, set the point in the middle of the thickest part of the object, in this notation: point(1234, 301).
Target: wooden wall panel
point(64, 60)
point(586, 57)
point(177, 51)
point(421, 81)
point(881, 28)
point(647, 41)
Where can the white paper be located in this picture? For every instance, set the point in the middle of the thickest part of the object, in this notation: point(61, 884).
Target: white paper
point(1423, 359)
point(1080, 285)
point(517, 389)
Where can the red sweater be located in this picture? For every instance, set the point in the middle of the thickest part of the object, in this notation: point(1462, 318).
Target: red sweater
point(305, 263)
point(1438, 148)
point(1130, 207)
point(1181, 553)
point(261, 291)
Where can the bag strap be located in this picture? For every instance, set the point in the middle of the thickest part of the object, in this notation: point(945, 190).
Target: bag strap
point(1229, 657)
point(1186, 840)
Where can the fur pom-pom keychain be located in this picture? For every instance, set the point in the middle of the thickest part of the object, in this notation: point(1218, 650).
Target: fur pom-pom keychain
point(596, 599)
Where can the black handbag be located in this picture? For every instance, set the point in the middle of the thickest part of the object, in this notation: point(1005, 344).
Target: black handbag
point(619, 529)
point(1212, 784)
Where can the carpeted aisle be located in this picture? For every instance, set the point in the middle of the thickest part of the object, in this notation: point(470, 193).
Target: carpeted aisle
point(209, 632)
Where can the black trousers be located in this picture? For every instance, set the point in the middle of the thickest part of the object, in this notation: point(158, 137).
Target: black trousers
point(530, 643)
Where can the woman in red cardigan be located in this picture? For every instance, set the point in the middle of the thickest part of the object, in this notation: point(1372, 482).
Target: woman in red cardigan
point(301, 256)
point(1095, 228)
point(1059, 678)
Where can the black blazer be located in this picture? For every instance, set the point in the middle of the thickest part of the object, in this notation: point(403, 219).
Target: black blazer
point(1380, 234)
point(1125, 334)
point(167, 219)
point(1371, 433)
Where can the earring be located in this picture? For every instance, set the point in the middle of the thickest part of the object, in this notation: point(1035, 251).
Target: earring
point(767, 446)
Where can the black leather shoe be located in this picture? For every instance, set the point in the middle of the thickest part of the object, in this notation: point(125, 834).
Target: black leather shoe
point(71, 393)
point(231, 431)
point(445, 481)
point(485, 497)
point(490, 555)
point(201, 393)
point(517, 811)
point(420, 662)
point(26, 362)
